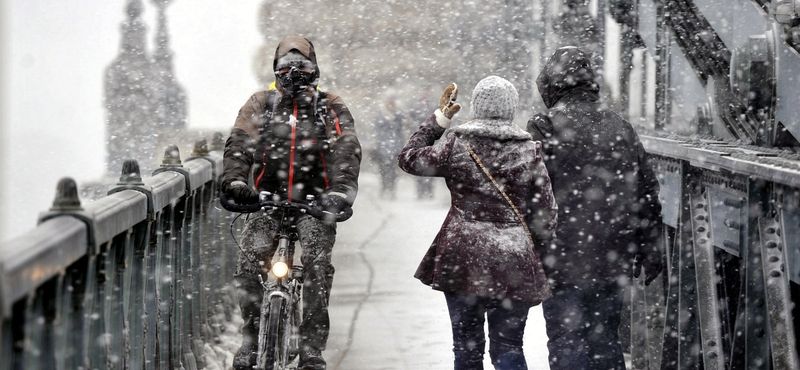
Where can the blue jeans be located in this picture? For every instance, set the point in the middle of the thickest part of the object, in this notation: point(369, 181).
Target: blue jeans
point(582, 323)
point(506, 326)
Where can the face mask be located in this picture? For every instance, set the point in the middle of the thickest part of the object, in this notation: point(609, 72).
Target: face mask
point(294, 81)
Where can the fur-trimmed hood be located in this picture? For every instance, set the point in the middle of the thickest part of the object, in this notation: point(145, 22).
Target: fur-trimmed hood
point(492, 128)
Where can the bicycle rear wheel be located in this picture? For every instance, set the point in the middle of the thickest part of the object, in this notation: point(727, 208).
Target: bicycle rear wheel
point(273, 334)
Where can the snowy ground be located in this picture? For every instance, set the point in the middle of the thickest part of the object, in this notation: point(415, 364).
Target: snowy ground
point(381, 317)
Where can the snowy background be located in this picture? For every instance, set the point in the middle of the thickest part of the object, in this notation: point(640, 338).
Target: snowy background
point(55, 54)
point(54, 57)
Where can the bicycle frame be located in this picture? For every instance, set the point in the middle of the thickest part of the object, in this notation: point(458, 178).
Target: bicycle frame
point(278, 336)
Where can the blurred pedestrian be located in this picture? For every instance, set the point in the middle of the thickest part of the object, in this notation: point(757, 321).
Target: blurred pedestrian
point(389, 137)
point(483, 257)
point(608, 210)
point(418, 111)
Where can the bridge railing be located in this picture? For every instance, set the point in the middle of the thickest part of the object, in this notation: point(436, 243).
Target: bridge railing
point(728, 297)
point(135, 279)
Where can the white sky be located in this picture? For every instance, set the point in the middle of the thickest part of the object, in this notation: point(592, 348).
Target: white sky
point(55, 53)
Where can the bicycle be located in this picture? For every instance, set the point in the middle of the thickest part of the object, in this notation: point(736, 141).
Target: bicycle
point(281, 308)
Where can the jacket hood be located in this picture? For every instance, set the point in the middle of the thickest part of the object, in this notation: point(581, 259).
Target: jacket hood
point(568, 71)
point(492, 128)
point(302, 45)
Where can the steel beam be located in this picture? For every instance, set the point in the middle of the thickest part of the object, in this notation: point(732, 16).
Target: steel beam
point(778, 297)
point(707, 278)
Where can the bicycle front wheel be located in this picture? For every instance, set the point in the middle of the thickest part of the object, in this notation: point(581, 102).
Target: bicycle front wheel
point(272, 340)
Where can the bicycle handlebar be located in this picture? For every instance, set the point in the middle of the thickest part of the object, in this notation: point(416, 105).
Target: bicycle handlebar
point(315, 212)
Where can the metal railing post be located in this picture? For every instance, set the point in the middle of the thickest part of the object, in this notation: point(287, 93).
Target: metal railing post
point(130, 281)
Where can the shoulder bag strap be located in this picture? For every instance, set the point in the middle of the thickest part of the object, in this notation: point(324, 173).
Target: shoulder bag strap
point(496, 185)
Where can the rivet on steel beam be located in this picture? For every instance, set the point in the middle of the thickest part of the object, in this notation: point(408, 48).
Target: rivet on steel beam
point(200, 148)
point(172, 157)
point(218, 142)
point(130, 173)
point(730, 244)
point(66, 196)
point(734, 202)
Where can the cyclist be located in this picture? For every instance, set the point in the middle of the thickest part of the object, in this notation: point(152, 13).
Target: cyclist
point(292, 140)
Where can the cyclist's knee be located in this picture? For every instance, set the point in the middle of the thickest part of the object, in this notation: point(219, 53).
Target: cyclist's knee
point(317, 254)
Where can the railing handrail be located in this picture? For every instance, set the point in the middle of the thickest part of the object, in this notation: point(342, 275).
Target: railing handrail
point(164, 224)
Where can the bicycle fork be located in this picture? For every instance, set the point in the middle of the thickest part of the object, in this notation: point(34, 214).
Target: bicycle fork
point(278, 334)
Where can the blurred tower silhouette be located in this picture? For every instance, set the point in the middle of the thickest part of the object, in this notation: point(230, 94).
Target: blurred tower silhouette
point(129, 96)
point(146, 106)
point(169, 97)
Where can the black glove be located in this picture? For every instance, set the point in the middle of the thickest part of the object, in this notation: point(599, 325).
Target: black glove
point(333, 204)
point(241, 193)
point(652, 266)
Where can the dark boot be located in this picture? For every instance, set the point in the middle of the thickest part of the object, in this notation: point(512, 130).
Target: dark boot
point(311, 359)
point(250, 295)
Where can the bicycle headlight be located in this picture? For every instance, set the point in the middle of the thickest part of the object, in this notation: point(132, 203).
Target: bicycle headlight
point(280, 269)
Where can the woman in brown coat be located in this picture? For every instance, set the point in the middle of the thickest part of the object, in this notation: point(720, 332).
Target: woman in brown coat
point(483, 257)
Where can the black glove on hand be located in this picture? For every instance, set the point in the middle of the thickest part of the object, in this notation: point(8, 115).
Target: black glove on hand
point(241, 193)
point(333, 204)
point(652, 266)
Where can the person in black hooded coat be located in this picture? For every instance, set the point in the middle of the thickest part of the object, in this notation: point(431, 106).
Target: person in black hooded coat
point(608, 211)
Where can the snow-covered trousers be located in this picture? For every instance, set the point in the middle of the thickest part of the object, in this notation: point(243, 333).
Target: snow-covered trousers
point(316, 243)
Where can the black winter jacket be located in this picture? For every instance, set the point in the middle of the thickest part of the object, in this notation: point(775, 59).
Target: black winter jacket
point(606, 191)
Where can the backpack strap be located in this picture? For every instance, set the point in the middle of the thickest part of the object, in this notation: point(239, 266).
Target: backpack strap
point(321, 116)
point(268, 111)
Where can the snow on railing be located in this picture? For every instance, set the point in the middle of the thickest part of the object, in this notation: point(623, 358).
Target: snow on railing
point(135, 279)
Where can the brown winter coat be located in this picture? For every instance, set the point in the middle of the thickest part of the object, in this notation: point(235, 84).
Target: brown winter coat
point(293, 160)
point(482, 248)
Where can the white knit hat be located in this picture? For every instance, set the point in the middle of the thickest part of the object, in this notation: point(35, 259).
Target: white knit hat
point(494, 98)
